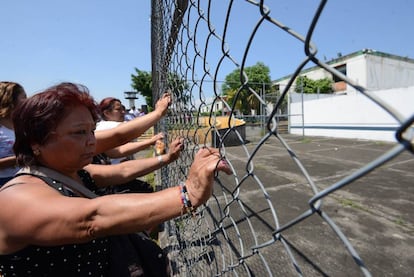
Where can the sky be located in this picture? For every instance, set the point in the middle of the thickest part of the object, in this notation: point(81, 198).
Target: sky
point(99, 43)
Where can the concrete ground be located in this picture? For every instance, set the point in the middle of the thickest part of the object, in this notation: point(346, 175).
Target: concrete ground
point(374, 212)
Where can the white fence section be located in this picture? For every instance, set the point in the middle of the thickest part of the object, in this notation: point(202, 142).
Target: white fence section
point(350, 115)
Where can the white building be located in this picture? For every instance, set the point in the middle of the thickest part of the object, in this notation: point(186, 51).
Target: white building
point(216, 105)
point(370, 69)
point(348, 113)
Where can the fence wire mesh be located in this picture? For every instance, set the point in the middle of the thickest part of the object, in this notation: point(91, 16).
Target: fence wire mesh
point(232, 235)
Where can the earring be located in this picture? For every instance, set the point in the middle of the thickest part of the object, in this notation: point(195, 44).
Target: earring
point(36, 152)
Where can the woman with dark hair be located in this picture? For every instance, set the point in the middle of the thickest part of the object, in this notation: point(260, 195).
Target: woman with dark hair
point(110, 109)
point(11, 94)
point(111, 115)
point(51, 227)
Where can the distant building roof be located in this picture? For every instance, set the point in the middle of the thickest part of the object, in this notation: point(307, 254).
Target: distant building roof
point(351, 55)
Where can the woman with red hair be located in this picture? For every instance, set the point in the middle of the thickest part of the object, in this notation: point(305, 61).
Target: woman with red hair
point(50, 226)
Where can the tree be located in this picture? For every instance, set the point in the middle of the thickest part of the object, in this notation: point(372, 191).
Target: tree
point(142, 82)
point(313, 86)
point(178, 86)
point(231, 98)
point(258, 79)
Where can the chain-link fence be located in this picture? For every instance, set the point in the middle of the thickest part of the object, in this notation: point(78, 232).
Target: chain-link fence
point(230, 235)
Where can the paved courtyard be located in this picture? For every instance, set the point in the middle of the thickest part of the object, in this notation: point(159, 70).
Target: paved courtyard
point(374, 212)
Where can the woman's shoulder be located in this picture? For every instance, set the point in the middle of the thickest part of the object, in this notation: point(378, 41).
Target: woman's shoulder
point(33, 186)
point(20, 180)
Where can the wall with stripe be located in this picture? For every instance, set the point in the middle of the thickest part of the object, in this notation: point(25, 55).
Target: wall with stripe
point(349, 115)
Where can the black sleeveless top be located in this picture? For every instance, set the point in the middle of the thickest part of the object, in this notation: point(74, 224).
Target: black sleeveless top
point(86, 259)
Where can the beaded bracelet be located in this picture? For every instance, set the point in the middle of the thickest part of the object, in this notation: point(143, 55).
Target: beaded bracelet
point(185, 200)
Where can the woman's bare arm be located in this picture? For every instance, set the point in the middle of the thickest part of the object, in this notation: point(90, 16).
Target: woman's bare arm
point(123, 133)
point(107, 175)
point(7, 162)
point(133, 147)
point(42, 216)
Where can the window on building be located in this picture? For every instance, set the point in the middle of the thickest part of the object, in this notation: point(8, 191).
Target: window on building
point(339, 84)
point(342, 69)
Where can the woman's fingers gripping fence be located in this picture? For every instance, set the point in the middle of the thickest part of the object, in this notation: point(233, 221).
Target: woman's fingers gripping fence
point(167, 96)
point(164, 102)
point(200, 179)
point(176, 147)
point(220, 162)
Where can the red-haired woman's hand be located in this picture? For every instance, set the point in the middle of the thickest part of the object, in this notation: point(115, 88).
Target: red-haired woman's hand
point(201, 175)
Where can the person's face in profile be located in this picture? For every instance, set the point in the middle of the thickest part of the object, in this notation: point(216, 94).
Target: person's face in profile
point(72, 145)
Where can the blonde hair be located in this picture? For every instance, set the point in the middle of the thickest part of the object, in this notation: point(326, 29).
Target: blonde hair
point(9, 91)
